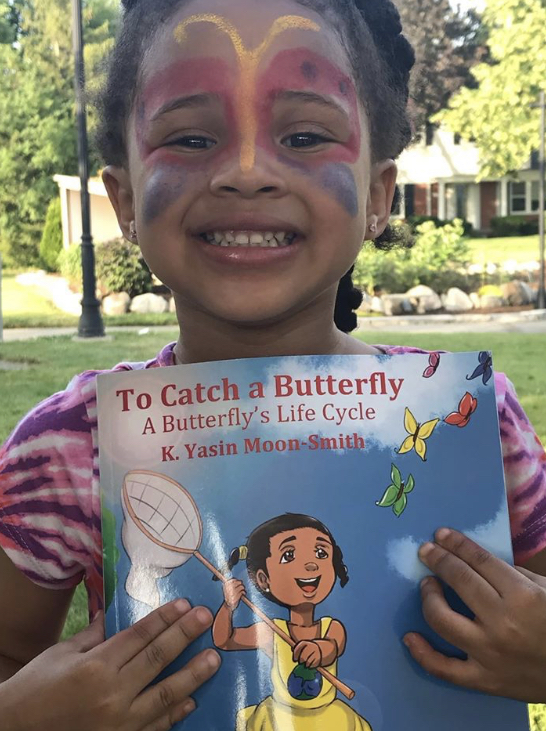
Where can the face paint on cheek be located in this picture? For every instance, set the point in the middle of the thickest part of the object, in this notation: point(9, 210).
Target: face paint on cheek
point(339, 180)
point(164, 186)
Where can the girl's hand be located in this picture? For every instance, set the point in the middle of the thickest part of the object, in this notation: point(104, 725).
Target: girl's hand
point(505, 642)
point(234, 591)
point(92, 685)
point(308, 653)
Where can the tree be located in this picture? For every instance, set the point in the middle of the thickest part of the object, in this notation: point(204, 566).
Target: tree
point(497, 114)
point(37, 117)
point(447, 44)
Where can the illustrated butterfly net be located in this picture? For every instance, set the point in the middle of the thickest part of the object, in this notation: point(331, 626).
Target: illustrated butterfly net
point(162, 530)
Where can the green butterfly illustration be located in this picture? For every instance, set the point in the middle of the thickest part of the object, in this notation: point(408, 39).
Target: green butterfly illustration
point(396, 494)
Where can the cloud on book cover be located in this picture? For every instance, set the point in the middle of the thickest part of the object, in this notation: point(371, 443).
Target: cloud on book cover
point(402, 552)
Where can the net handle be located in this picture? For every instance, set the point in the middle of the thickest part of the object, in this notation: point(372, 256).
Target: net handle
point(336, 682)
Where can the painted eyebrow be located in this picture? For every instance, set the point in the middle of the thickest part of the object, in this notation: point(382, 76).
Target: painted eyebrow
point(310, 97)
point(324, 540)
point(287, 540)
point(185, 102)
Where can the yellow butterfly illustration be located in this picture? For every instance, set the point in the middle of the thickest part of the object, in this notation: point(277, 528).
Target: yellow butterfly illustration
point(418, 433)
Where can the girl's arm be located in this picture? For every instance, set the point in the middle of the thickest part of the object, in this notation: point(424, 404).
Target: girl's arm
point(227, 637)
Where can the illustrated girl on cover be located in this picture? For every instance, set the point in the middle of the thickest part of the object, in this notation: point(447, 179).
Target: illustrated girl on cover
point(294, 561)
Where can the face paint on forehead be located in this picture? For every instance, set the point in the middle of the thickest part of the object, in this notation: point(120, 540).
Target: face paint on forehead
point(248, 60)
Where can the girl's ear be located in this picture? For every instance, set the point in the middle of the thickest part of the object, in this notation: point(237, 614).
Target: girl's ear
point(380, 196)
point(262, 579)
point(118, 186)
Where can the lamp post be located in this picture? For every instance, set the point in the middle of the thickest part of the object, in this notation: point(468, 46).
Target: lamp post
point(542, 198)
point(90, 325)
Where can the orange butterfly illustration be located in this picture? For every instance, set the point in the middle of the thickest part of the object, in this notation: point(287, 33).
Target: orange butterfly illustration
point(467, 406)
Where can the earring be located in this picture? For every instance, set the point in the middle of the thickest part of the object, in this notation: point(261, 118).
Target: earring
point(267, 591)
point(132, 232)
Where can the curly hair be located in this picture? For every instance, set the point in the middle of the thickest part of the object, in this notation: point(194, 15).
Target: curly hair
point(380, 56)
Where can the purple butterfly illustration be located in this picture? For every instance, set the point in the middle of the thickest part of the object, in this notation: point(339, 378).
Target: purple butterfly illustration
point(484, 369)
point(433, 363)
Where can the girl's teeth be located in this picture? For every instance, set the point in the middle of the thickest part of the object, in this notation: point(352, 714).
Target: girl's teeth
point(267, 240)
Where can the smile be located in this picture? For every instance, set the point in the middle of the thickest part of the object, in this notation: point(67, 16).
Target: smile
point(261, 239)
point(309, 586)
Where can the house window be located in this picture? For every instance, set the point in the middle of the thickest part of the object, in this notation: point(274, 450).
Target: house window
point(524, 197)
point(518, 197)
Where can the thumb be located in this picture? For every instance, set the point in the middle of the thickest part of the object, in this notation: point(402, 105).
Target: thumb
point(91, 636)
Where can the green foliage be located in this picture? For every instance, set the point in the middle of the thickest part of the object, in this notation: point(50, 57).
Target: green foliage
point(438, 260)
point(52, 237)
point(37, 119)
point(415, 221)
point(502, 226)
point(498, 114)
point(70, 265)
point(121, 268)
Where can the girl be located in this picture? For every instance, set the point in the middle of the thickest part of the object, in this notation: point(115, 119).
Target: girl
point(294, 561)
point(249, 148)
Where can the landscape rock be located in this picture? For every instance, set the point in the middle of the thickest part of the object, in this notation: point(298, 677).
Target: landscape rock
point(475, 299)
point(116, 304)
point(172, 305)
point(517, 293)
point(367, 301)
point(426, 299)
point(146, 304)
point(491, 301)
point(397, 304)
point(457, 301)
point(377, 305)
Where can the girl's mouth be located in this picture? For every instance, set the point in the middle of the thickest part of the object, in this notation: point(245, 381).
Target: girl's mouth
point(309, 586)
point(250, 239)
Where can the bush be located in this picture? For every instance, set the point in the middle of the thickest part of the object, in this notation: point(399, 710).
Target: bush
point(438, 260)
point(69, 264)
point(503, 226)
point(52, 237)
point(416, 221)
point(121, 268)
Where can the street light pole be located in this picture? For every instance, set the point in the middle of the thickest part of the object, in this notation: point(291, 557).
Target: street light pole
point(90, 325)
point(541, 304)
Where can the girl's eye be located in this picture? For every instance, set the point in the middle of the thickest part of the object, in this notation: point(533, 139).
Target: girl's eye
point(304, 139)
point(321, 553)
point(288, 556)
point(192, 142)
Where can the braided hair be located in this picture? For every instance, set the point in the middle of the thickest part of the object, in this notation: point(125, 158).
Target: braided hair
point(380, 55)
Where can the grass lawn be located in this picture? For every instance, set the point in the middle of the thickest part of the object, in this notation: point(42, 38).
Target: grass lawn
point(53, 361)
point(497, 251)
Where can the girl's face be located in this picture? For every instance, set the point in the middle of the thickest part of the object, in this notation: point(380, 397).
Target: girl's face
point(300, 569)
point(246, 125)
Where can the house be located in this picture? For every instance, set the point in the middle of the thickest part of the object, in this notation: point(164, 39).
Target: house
point(437, 176)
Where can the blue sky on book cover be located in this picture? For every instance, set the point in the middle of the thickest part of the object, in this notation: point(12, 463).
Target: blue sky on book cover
point(379, 451)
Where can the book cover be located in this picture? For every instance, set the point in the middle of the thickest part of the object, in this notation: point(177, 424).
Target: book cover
point(290, 496)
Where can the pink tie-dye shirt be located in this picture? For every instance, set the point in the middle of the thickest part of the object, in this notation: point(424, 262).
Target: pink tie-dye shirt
point(50, 522)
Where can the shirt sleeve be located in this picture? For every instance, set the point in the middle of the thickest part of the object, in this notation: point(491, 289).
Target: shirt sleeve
point(525, 473)
point(46, 467)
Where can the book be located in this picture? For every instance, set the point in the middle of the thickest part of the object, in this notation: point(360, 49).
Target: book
point(290, 496)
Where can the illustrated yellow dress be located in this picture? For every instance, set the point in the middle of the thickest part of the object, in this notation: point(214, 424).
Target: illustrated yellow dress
point(281, 712)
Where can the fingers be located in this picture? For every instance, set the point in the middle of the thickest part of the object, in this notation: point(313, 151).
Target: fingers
point(127, 644)
point(471, 586)
point(165, 648)
point(451, 669)
point(497, 573)
point(535, 578)
point(91, 636)
point(176, 715)
point(452, 626)
point(160, 700)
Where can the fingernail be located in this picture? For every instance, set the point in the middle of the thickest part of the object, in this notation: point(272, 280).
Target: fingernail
point(407, 640)
point(182, 605)
point(213, 659)
point(203, 616)
point(426, 549)
point(443, 534)
point(189, 706)
point(426, 581)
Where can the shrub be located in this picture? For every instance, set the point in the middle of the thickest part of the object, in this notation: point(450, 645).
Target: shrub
point(503, 226)
point(416, 221)
point(70, 265)
point(438, 260)
point(121, 268)
point(52, 237)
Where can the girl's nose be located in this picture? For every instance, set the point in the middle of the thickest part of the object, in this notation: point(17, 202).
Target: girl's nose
point(311, 567)
point(261, 180)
